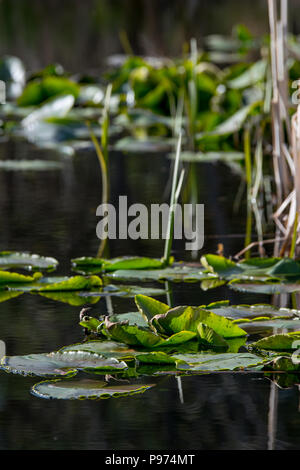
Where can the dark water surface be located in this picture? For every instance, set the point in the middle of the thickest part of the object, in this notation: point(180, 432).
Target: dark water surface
point(53, 213)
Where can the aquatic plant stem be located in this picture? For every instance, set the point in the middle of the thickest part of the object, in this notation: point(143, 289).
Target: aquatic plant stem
point(247, 151)
point(174, 194)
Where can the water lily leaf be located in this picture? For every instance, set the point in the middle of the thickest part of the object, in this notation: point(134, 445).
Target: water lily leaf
point(260, 287)
point(58, 363)
point(138, 336)
point(149, 307)
point(10, 279)
point(104, 348)
point(241, 312)
point(220, 265)
point(86, 389)
point(133, 318)
point(217, 362)
point(14, 259)
point(188, 319)
point(126, 263)
point(251, 76)
point(155, 357)
point(283, 363)
point(259, 326)
point(208, 337)
point(178, 273)
point(280, 342)
point(208, 284)
point(255, 269)
point(90, 323)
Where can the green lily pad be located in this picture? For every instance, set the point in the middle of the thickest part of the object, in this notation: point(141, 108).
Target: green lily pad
point(149, 307)
point(58, 363)
point(86, 389)
point(279, 342)
point(217, 362)
point(114, 264)
point(188, 318)
point(138, 336)
point(176, 273)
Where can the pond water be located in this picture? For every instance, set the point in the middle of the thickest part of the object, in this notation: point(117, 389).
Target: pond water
point(54, 213)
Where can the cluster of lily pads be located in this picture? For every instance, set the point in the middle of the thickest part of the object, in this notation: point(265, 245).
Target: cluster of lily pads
point(128, 349)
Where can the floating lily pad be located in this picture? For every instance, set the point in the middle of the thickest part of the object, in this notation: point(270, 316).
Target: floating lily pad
point(59, 363)
point(261, 269)
point(139, 336)
point(176, 273)
point(188, 318)
point(86, 389)
point(14, 259)
point(269, 288)
point(279, 342)
point(217, 362)
point(114, 264)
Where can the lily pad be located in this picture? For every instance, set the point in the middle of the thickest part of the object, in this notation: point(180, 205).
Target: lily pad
point(14, 259)
point(188, 319)
point(58, 363)
point(86, 389)
point(217, 362)
point(114, 264)
point(280, 342)
point(176, 273)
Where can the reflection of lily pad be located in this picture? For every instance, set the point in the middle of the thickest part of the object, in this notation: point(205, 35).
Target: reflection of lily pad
point(56, 284)
point(71, 298)
point(86, 389)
